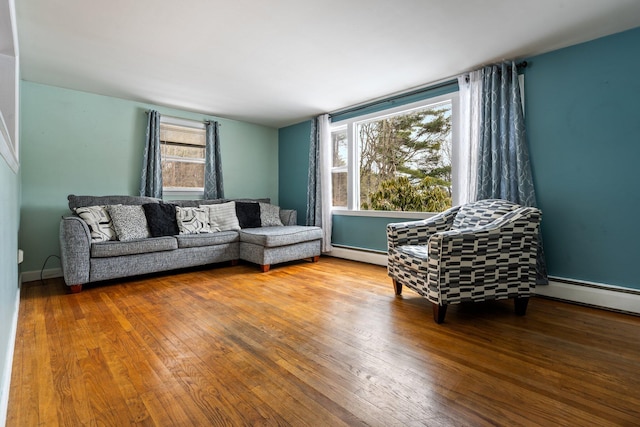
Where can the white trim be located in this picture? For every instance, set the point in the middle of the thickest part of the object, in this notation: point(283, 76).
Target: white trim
point(355, 254)
point(592, 294)
point(7, 150)
point(8, 367)
point(32, 276)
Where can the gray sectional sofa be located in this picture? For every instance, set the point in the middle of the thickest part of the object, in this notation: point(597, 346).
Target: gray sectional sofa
point(88, 257)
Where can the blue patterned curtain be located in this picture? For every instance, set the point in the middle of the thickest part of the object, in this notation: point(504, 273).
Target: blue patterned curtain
point(151, 182)
point(314, 216)
point(504, 169)
point(213, 188)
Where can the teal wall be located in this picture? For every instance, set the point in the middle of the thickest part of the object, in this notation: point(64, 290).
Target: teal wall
point(293, 158)
point(80, 143)
point(583, 123)
point(9, 224)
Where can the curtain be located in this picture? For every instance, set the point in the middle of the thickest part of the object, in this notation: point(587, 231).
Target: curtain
point(213, 188)
point(503, 167)
point(151, 181)
point(319, 179)
point(469, 131)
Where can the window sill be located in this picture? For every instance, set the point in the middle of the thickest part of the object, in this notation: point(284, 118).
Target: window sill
point(384, 214)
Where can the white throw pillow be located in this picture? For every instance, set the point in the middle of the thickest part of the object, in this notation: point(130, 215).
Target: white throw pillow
point(222, 216)
point(192, 220)
point(99, 222)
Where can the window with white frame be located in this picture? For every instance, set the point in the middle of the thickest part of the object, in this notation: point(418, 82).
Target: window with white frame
point(399, 159)
point(182, 145)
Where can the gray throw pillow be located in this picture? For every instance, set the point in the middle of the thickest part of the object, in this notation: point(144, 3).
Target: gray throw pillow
point(269, 215)
point(223, 217)
point(129, 222)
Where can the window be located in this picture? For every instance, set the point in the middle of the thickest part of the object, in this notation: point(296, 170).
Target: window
point(396, 160)
point(182, 145)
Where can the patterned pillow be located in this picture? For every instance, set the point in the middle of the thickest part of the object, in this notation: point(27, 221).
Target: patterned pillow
point(481, 213)
point(192, 220)
point(99, 222)
point(269, 215)
point(129, 222)
point(222, 216)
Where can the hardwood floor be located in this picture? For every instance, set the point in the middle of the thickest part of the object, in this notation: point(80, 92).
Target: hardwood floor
point(315, 344)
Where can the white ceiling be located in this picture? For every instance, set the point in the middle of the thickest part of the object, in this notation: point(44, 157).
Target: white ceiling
point(278, 62)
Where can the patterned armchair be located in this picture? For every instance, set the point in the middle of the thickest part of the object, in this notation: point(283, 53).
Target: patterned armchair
point(484, 250)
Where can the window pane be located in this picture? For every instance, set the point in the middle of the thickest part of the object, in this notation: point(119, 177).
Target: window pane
point(339, 188)
point(182, 134)
point(182, 174)
point(339, 145)
point(405, 161)
point(182, 151)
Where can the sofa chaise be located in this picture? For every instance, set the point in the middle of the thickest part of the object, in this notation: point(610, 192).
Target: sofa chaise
point(98, 240)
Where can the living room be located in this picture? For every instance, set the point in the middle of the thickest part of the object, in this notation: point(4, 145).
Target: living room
point(582, 129)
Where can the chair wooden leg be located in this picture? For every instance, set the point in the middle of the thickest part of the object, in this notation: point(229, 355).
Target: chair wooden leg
point(397, 287)
point(521, 305)
point(265, 267)
point(75, 289)
point(439, 311)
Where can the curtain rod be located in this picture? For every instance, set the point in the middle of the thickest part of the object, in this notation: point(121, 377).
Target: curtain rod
point(182, 118)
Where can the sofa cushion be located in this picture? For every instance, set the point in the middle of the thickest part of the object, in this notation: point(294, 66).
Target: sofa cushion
point(132, 247)
point(161, 218)
point(129, 222)
point(207, 239)
point(280, 236)
point(99, 222)
point(192, 220)
point(81, 201)
point(270, 215)
point(222, 216)
point(248, 214)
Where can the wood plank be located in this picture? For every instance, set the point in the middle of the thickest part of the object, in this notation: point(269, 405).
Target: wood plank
point(316, 344)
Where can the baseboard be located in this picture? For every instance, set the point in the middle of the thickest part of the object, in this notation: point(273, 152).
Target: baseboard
point(32, 276)
point(361, 255)
point(598, 295)
point(6, 375)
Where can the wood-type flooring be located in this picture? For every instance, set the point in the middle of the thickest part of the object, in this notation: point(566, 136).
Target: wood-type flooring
point(312, 344)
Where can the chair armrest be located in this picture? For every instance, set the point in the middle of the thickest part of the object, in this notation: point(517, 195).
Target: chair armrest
point(75, 247)
point(289, 216)
point(419, 232)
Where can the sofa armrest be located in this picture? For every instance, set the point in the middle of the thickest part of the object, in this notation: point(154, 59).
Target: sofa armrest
point(75, 247)
point(289, 216)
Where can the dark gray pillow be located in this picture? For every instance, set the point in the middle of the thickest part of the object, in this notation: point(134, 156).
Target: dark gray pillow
point(161, 218)
point(248, 214)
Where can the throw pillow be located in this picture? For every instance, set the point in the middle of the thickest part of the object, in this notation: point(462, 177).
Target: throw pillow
point(222, 216)
point(129, 222)
point(161, 218)
point(248, 214)
point(192, 220)
point(99, 222)
point(269, 215)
